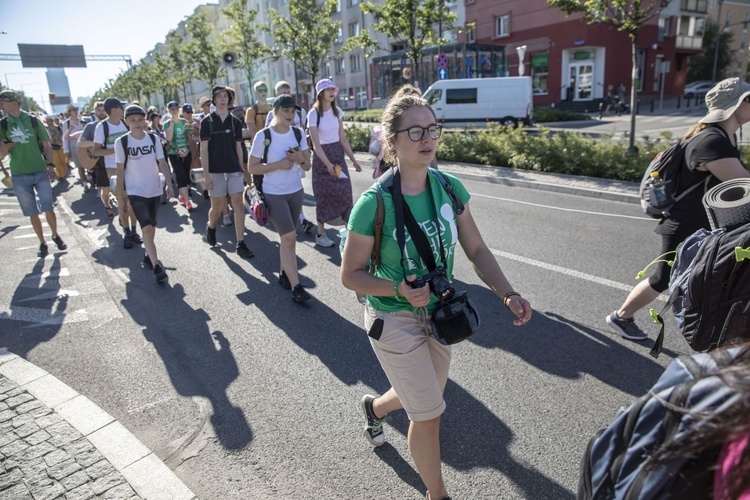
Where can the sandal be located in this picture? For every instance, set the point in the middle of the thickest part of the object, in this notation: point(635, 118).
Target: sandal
point(110, 213)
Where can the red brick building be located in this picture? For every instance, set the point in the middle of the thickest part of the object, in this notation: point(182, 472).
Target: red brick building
point(572, 61)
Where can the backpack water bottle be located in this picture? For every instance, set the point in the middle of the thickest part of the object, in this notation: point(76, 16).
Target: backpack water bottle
point(657, 191)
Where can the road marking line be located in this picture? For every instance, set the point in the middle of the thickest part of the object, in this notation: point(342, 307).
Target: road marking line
point(562, 209)
point(568, 272)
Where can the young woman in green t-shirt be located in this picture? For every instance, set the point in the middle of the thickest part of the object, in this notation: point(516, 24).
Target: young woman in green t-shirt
point(397, 315)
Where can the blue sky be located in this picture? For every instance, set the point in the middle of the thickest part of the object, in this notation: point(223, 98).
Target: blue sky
point(103, 27)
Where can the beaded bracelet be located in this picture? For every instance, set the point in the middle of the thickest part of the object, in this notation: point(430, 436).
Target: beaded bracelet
point(395, 289)
point(507, 297)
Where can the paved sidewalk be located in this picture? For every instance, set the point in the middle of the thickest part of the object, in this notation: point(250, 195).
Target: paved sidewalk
point(58, 444)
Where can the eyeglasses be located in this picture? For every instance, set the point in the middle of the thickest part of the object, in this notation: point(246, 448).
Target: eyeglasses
point(416, 133)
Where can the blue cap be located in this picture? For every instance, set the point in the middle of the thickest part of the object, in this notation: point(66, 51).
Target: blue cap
point(187, 108)
point(172, 104)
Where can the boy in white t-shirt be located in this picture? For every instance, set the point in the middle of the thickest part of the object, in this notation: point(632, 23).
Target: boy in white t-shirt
point(139, 172)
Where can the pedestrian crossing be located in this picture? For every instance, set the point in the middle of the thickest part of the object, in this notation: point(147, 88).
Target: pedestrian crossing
point(61, 289)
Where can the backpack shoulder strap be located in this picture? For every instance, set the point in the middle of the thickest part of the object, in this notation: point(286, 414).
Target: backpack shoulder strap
point(458, 205)
point(105, 128)
point(297, 135)
point(266, 144)
point(124, 139)
point(377, 230)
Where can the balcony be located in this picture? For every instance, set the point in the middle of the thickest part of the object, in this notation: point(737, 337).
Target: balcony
point(700, 6)
point(684, 42)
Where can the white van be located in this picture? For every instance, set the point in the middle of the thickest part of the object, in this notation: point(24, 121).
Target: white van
point(507, 100)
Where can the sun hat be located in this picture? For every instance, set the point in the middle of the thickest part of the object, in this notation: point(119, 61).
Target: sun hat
point(134, 109)
point(10, 94)
point(219, 88)
point(285, 101)
point(724, 99)
point(203, 100)
point(325, 84)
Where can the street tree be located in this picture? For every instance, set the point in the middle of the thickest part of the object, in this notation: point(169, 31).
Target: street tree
point(178, 70)
point(700, 66)
point(206, 57)
point(625, 15)
point(305, 37)
point(241, 38)
point(415, 24)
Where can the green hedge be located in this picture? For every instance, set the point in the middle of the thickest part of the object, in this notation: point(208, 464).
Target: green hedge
point(558, 152)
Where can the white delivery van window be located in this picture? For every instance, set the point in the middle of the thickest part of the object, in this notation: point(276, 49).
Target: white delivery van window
point(461, 96)
point(434, 95)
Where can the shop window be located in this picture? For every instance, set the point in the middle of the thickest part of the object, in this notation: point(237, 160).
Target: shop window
point(540, 73)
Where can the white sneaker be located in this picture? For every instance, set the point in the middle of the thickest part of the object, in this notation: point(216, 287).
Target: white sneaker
point(324, 241)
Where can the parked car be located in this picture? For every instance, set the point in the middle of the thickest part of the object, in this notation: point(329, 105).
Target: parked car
point(698, 88)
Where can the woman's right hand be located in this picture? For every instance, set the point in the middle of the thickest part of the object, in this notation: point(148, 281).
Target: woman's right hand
point(208, 183)
point(417, 297)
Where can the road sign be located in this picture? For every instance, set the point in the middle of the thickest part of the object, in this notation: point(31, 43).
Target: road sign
point(442, 74)
point(441, 60)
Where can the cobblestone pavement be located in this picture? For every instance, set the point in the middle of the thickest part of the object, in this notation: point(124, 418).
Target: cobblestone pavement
point(43, 457)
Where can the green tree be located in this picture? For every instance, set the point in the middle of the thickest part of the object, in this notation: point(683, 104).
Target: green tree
point(625, 15)
point(205, 53)
point(178, 68)
point(307, 35)
point(241, 38)
point(412, 23)
point(701, 65)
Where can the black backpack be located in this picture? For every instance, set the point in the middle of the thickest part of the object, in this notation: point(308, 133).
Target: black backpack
point(258, 178)
point(615, 463)
point(709, 289)
point(669, 165)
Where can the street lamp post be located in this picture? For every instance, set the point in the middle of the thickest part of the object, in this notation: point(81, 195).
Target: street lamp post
point(716, 44)
point(16, 73)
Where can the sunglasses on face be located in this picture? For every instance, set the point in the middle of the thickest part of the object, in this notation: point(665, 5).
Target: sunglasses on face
point(262, 91)
point(416, 133)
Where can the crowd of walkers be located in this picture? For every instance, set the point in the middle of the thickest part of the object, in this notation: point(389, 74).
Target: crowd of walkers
point(129, 150)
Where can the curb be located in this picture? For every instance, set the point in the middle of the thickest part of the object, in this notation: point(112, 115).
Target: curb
point(149, 477)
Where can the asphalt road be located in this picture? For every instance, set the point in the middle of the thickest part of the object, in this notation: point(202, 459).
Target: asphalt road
point(247, 395)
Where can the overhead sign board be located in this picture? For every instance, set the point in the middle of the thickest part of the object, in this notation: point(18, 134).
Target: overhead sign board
point(51, 56)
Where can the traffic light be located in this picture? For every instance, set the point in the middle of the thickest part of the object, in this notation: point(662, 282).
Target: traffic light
point(52, 97)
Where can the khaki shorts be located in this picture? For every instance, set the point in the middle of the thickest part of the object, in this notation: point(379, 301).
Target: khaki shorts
point(227, 184)
point(415, 363)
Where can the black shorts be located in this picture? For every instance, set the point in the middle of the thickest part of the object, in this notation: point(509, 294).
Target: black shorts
point(101, 178)
point(145, 209)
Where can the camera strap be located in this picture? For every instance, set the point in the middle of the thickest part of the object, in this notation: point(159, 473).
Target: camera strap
point(404, 217)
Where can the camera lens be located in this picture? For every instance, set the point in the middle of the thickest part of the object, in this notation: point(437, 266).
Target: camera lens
point(442, 288)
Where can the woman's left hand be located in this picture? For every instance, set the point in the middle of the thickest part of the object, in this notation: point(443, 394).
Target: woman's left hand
point(521, 308)
point(356, 166)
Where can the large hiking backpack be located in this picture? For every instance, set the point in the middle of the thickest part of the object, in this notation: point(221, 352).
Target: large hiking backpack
point(669, 165)
point(709, 289)
point(615, 462)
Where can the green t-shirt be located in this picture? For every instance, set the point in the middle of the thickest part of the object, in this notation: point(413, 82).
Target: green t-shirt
point(25, 157)
point(180, 136)
point(423, 209)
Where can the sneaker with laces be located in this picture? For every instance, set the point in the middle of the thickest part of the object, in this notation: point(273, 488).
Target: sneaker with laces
point(284, 281)
point(210, 235)
point(136, 238)
point(373, 424)
point(324, 241)
point(159, 273)
point(59, 242)
point(43, 250)
point(227, 220)
point(299, 294)
point(626, 327)
point(189, 205)
point(181, 199)
point(307, 226)
point(243, 251)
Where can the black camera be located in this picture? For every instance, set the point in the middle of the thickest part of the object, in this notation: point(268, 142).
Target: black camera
point(439, 284)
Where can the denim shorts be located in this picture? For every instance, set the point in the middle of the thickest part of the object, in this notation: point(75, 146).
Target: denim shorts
point(28, 187)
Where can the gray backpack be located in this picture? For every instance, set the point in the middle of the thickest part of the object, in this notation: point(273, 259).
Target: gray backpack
point(615, 462)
